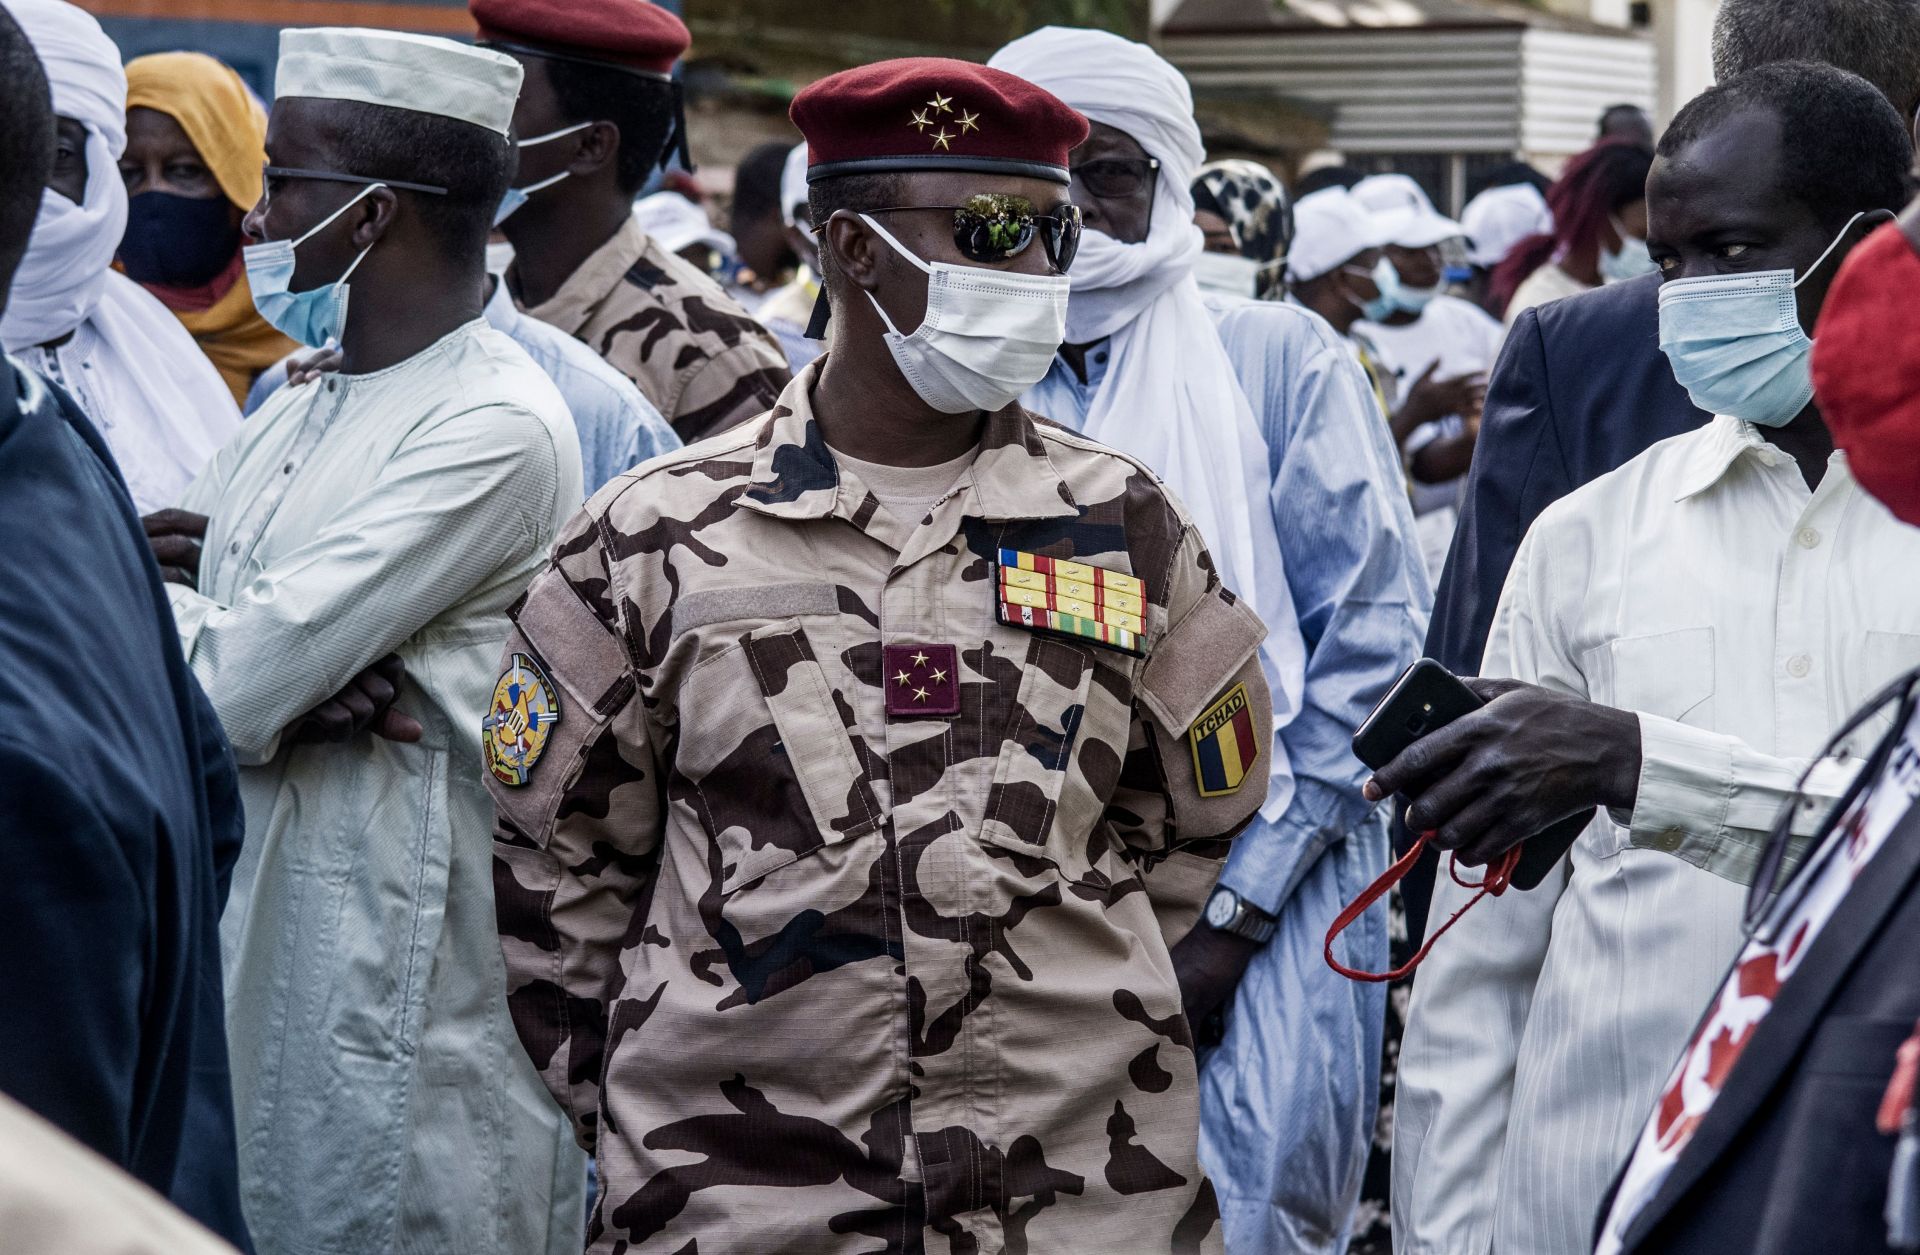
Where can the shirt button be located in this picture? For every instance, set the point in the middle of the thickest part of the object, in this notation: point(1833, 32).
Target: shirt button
point(234, 547)
point(287, 469)
point(332, 384)
point(1798, 666)
point(1809, 538)
point(1670, 840)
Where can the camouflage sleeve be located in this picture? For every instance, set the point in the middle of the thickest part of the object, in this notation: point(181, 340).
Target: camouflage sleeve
point(578, 815)
point(1202, 720)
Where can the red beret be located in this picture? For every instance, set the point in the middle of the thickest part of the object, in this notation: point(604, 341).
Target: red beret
point(933, 113)
point(1866, 367)
point(630, 34)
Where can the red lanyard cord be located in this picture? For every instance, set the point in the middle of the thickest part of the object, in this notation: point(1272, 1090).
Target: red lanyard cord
point(1499, 876)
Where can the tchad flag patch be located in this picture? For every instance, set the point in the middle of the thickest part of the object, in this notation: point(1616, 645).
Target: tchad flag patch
point(1074, 599)
point(525, 709)
point(1224, 745)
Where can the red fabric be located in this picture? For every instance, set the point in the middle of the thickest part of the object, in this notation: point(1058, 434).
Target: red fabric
point(934, 108)
point(1499, 876)
point(1866, 369)
point(630, 33)
point(921, 680)
point(204, 297)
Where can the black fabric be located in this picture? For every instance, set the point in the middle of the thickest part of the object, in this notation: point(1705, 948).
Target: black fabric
point(1581, 388)
point(119, 824)
point(1788, 1159)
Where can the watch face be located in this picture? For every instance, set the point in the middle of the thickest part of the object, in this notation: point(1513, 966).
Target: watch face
point(1222, 907)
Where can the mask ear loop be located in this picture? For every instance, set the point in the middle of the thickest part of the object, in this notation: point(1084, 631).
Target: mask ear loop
point(327, 221)
point(1821, 260)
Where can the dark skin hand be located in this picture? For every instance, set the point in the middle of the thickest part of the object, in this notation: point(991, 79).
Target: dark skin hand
point(1209, 964)
point(364, 705)
point(176, 537)
point(1718, 207)
point(1431, 399)
point(1528, 759)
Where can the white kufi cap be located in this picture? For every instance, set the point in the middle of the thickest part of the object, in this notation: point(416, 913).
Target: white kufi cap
point(401, 71)
point(1330, 228)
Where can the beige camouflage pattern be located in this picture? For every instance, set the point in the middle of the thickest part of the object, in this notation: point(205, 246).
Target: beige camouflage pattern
point(811, 979)
point(704, 362)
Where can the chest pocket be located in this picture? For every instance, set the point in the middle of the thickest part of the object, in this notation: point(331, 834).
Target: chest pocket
point(770, 752)
point(1048, 724)
point(1665, 674)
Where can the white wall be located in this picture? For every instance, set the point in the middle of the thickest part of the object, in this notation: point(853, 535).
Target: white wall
point(1683, 29)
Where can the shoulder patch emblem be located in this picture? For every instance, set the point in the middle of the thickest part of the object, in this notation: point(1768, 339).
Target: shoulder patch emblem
point(1054, 595)
point(522, 716)
point(1224, 745)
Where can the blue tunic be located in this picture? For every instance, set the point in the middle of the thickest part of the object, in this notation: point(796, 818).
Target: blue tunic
point(1288, 1096)
point(119, 823)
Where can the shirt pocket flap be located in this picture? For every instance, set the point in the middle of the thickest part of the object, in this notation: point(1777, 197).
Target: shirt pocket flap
point(1666, 674)
point(1197, 656)
point(772, 755)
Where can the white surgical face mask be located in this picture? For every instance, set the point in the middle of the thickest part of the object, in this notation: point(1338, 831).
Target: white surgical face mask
point(1226, 274)
point(518, 196)
point(1629, 261)
point(987, 337)
point(1736, 344)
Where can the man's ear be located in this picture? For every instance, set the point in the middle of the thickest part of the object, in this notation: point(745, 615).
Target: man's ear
point(855, 249)
point(599, 148)
point(374, 217)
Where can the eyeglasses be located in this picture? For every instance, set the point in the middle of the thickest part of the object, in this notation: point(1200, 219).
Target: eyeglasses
point(993, 229)
point(1118, 178)
point(327, 176)
point(1770, 899)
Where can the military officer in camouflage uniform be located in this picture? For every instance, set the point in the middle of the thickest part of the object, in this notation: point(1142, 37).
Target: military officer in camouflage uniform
point(597, 113)
point(835, 758)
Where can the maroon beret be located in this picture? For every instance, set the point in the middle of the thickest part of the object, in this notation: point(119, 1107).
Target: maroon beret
point(630, 34)
point(933, 113)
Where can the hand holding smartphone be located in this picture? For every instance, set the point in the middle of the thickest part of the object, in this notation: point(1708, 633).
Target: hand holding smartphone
point(1426, 698)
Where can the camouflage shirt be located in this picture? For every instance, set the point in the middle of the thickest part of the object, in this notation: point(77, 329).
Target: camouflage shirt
point(811, 976)
point(702, 360)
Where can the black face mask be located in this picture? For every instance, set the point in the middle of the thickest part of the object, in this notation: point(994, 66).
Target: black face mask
point(177, 241)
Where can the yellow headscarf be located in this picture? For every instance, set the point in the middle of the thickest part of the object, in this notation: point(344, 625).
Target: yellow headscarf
point(228, 127)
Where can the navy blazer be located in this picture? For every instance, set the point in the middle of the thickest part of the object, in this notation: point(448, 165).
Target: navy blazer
point(119, 819)
point(1581, 388)
point(1787, 1160)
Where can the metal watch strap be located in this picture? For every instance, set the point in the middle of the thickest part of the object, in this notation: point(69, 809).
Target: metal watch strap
point(1250, 921)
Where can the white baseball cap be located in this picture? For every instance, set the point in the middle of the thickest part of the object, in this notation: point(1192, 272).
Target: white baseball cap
point(677, 222)
point(1405, 213)
point(1501, 217)
point(1330, 228)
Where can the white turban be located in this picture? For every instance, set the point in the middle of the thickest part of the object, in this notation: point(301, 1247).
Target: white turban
point(64, 273)
point(1171, 397)
point(793, 185)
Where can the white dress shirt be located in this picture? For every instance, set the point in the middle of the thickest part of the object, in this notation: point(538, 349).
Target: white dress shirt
point(1744, 617)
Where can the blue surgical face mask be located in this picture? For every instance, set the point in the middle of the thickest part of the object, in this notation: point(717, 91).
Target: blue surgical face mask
point(1736, 344)
point(1385, 279)
point(518, 196)
point(1401, 298)
point(312, 317)
point(1629, 261)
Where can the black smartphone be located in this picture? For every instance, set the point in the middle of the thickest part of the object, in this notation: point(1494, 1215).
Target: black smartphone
point(1426, 698)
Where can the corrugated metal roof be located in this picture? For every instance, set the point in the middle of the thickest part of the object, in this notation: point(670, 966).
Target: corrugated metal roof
point(1485, 89)
point(1254, 16)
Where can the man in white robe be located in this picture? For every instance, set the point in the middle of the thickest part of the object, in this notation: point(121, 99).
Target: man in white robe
point(395, 507)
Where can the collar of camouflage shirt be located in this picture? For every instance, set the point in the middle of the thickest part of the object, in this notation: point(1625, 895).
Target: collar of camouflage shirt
point(795, 475)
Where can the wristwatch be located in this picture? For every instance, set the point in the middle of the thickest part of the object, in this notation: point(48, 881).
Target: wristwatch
point(1231, 913)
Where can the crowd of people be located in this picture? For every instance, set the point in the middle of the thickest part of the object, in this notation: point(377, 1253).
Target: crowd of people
point(543, 724)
